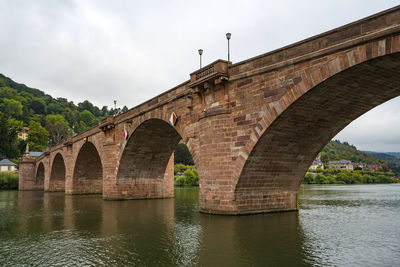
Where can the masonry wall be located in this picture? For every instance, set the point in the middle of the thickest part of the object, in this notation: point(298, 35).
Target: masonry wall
point(27, 175)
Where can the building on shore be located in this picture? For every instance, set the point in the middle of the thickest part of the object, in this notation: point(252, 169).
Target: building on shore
point(7, 166)
point(23, 134)
point(341, 164)
point(359, 166)
point(317, 164)
point(374, 167)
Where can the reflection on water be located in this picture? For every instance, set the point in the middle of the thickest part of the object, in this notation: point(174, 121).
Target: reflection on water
point(336, 226)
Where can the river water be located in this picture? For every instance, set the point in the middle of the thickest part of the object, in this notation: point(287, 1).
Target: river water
point(336, 226)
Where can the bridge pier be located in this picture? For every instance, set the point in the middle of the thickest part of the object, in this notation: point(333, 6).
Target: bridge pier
point(133, 173)
point(27, 174)
point(146, 188)
point(220, 165)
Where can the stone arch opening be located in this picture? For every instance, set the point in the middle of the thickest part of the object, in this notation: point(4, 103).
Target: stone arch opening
point(88, 171)
point(146, 168)
point(273, 171)
point(40, 174)
point(57, 175)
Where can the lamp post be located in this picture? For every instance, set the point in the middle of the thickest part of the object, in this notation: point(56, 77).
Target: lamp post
point(200, 53)
point(228, 36)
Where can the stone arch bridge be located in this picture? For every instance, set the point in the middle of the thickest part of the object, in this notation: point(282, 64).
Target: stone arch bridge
point(253, 128)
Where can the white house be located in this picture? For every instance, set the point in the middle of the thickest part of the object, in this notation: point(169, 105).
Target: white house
point(7, 166)
point(317, 163)
point(341, 164)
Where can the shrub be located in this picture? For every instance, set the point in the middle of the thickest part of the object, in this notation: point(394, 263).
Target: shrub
point(179, 168)
point(8, 180)
point(179, 180)
point(185, 175)
point(191, 177)
point(321, 179)
point(309, 179)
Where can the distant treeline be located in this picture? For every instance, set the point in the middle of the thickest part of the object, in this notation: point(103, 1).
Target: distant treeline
point(336, 176)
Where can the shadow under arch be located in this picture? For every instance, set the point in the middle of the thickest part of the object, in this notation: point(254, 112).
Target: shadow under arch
point(40, 174)
point(88, 172)
point(146, 167)
point(57, 174)
point(273, 172)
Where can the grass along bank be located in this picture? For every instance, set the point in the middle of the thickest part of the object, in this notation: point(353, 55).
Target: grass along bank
point(8, 181)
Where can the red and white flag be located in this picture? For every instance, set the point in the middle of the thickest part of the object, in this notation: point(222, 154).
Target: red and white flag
point(173, 119)
point(125, 133)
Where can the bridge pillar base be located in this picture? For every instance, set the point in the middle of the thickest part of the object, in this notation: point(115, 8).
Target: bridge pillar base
point(243, 213)
point(253, 203)
point(142, 188)
point(27, 175)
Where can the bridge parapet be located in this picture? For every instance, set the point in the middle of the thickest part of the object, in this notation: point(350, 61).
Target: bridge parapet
point(107, 123)
point(211, 74)
point(68, 142)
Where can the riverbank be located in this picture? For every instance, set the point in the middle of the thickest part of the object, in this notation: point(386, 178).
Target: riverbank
point(337, 176)
point(8, 181)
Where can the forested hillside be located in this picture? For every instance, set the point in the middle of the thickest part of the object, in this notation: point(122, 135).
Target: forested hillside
point(335, 150)
point(50, 120)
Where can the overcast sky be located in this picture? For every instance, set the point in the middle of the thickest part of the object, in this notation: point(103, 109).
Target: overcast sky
point(133, 50)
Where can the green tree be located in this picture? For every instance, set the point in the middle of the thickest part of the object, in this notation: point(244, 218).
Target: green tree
point(309, 179)
point(55, 108)
point(39, 106)
point(324, 157)
point(321, 179)
point(191, 177)
point(180, 168)
point(7, 92)
point(16, 124)
point(104, 111)
point(38, 137)
point(11, 107)
point(86, 105)
point(58, 128)
point(8, 138)
point(182, 155)
point(385, 167)
point(87, 117)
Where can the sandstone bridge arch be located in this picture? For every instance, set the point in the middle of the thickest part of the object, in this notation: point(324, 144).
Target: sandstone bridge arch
point(88, 171)
point(57, 174)
point(151, 144)
point(253, 127)
point(40, 175)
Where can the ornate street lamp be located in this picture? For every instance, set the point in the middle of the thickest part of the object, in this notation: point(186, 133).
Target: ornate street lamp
point(200, 53)
point(228, 36)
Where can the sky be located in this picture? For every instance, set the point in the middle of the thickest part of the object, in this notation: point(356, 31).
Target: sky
point(131, 51)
